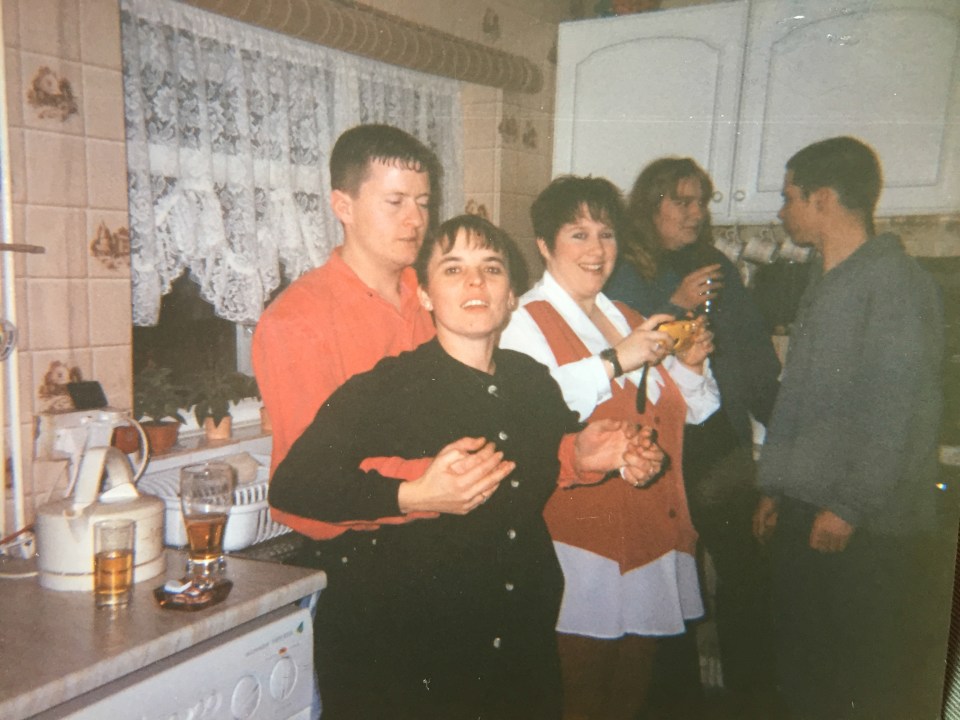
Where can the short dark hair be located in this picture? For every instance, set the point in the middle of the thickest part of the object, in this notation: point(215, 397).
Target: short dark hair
point(486, 235)
point(359, 146)
point(563, 200)
point(844, 164)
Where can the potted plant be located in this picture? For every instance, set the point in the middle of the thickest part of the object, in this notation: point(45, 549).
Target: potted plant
point(157, 400)
point(213, 391)
point(265, 425)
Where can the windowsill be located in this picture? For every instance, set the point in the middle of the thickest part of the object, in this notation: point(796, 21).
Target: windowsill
point(193, 446)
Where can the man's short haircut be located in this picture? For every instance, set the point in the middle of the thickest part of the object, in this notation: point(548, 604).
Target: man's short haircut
point(563, 200)
point(481, 233)
point(846, 165)
point(359, 146)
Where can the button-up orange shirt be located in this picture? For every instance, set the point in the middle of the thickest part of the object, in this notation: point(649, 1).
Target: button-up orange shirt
point(326, 327)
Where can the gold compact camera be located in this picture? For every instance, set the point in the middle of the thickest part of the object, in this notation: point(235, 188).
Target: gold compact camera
point(683, 333)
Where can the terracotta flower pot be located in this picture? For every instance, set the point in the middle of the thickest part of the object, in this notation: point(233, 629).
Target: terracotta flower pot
point(126, 439)
point(265, 425)
point(222, 431)
point(161, 436)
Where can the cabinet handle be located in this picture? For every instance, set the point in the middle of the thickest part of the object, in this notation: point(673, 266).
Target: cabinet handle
point(739, 195)
point(717, 196)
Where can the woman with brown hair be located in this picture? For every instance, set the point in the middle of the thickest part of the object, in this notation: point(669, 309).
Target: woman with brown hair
point(626, 551)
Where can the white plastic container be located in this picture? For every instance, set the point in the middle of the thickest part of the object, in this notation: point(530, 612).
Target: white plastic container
point(249, 520)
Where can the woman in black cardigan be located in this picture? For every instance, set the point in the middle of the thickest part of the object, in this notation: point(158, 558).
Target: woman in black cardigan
point(443, 605)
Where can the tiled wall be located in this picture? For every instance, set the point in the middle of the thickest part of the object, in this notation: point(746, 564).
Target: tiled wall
point(65, 105)
point(65, 108)
point(68, 170)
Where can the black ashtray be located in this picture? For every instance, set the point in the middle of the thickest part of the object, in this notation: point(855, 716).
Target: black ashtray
point(193, 597)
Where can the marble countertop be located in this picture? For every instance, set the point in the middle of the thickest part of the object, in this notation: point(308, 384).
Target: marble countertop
point(55, 646)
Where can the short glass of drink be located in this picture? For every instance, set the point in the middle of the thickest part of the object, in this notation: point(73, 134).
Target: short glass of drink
point(206, 496)
point(113, 561)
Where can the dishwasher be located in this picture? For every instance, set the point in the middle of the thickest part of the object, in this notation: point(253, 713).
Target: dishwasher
point(261, 670)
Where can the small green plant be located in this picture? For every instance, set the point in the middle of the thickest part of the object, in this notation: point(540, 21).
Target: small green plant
point(215, 388)
point(156, 395)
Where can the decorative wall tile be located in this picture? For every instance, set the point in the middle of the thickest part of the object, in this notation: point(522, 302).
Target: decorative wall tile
point(50, 27)
point(111, 320)
point(52, 394)
point(100, 33)
point(52, 94)
point(529, 138)
point(473, 207)
point(107, 170)
point(509, 129)
point(103, 103)
point(56, 173)
point(49, 368)
point(491, 25)
point(107, 244)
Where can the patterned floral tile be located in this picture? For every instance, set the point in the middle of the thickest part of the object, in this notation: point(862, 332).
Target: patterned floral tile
point(52, 92)
point(108, 244)
point(52, 371)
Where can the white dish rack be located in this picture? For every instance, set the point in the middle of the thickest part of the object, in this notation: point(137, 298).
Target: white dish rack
point(249, 520)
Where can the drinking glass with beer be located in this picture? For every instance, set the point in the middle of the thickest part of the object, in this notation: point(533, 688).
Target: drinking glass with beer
point(206, 495)
point(113, 561)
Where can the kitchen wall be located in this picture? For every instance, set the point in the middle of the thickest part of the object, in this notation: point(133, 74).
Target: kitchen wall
point(65, 107)
point(68, 168)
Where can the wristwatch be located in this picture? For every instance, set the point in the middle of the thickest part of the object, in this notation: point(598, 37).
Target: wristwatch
point(610, 355)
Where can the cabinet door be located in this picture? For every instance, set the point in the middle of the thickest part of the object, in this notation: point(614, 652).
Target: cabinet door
point(882, 70)
point(635, 88)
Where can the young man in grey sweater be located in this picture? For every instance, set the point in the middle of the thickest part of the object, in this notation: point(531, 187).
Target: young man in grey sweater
point(849, 468)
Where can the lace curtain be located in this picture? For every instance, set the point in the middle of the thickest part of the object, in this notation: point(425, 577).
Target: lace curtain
point(228, 133)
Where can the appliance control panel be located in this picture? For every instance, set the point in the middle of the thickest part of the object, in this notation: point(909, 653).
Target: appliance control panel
point(261, 669)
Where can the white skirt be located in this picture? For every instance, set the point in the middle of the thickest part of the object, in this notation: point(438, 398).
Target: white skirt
point(655, 599)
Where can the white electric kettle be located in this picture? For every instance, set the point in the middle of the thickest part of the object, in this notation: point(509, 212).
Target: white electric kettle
point(64, 528)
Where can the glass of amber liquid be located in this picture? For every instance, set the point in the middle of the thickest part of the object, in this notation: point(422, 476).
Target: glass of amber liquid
point(206, 495)
point(113, 561)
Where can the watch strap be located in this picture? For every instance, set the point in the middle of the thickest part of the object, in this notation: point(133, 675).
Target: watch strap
point(610, 355)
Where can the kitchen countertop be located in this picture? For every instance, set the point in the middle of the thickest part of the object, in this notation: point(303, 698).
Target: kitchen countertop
point(55, 646)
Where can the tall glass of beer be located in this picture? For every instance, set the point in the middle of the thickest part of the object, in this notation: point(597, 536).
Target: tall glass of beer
point(206, 495)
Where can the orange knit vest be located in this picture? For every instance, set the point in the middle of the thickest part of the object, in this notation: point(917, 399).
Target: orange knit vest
point(630, 525)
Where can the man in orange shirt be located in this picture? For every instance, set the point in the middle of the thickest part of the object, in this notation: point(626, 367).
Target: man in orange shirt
point(361, 306)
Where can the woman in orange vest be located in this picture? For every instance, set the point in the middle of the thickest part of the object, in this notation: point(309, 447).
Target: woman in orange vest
point(627, 552)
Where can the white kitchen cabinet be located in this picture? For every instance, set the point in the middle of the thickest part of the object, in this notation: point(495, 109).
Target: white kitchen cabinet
point(631, 89)
point(741, 86)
